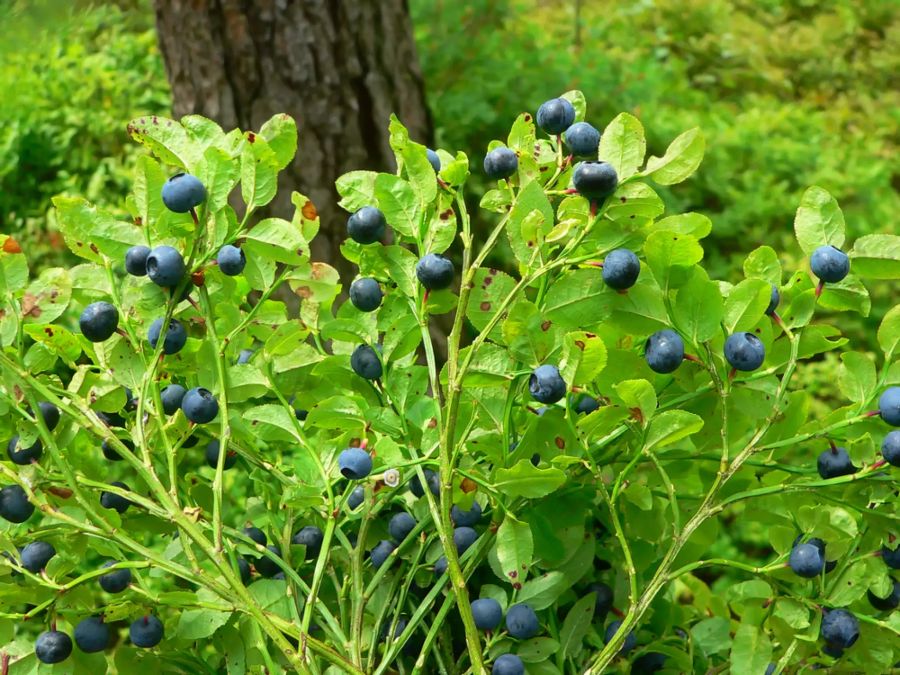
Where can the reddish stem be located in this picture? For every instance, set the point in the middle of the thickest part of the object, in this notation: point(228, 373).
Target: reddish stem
point(691, 357)
point(732, 374)
point(4, 664)
point(819, 288)
point(593, 209)
point(873, 413)
point(834, 447)
point(194, 216)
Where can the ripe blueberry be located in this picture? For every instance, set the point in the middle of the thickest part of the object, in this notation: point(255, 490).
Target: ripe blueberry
point(890, 448)
point(212, 455)
point(435, 272)
point(585, 404)
point(744, 351)
point(110, 453)
point(36, 555)
point(357, 497)
point(91, 635)
point(508, 664)
point(115, 581)
point(621, 268)
point(136, 261)
point(14, 504)
point(355, 463)
point(463, 538)
point(807, 560)
point(110, 500)
point(365, 294)
point(839, 628)
point(243, 568)
point(431, 478)
point(24, 456)
point(595, 180)
point(773, 300)
point(52, 646)
point(266, 566)
point(366, 226)
point(231, 260)
point(664, 351)
point(546, 384)
point(522, 622)
point(500, 163)
point(440, 566)
point(466, 518)
point(244, 356)
point(434, 160)
point(146, 632)
point(400, 525)
point(891, 556)
point(888, 604)
point(199, 405)
point(165, 266)
point(311, 537)
point(487, 613)
point(604, 601)
point(555, 116)
point(182, 192)
point(889, 406)
point(50, 413)
point(175, 338)
point(829, 264)
point(583, 139)
point(171, 398)
point(650, 662)
point(366, 363)
point(256, 534)
point(630, 639)
point(835, 462)
point(99, 321)
point(380, 553)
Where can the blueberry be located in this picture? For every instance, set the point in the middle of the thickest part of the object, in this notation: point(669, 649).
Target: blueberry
point(110, 453)
point(829, 264)
point(111, 419)
point(435, 272)
point(175, 339)
point(244, 571)
point(621, 268)
point(807, 560)
point(604, 601)
point(891, 556)
point(835, 462)
point(432, 479)
point(889, 406)
point(50, 413)
point(311, 537)
point(36, 555)
point(231, 260)
point(487, 613)
point(301, 414)
point(357, 497)
point(136, 261)
point(890, 448)
point(888, 604)
point(630, 639)
point(839, 628)
point(583, 139)
point(556, 115)
point(546, 384)
point(110, 500)
point(244, 356)
point(744, 351)
point(212, 455)
point(500, 163)
point(366, 226)
point(440, 566)
point(257, 535)
point(52, 646)
point(466, 518)
point(664, 351)
point(182, 192)
point(24, 456)
point(650, 662)
point(434, 160)
point(508, 664)
point(266, 566)
point(463, 538)
point(99, 321)
point(522, 622)
point(199, 405)
point(355, 463)
point(380, 553)
point(770, 669)
point(400, 525)
point(595, 180)
point(834, 651)
point(92, 635)
point(146, 632)
point(14, 504)
point(585, 405)
point(366, 363)
point(171, 398)
point(773, 301)
point(165, 266)
point(115, 581)
point(365, 294)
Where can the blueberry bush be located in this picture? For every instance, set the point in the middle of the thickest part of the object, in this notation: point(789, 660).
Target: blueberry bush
point(200, 481)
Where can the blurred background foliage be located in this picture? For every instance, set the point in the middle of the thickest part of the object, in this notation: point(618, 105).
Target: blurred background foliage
point(788, 92)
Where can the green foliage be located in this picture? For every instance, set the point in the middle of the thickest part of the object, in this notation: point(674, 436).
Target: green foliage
point(635, 494)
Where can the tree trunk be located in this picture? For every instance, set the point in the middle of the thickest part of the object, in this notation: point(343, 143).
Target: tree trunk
point(339, 67)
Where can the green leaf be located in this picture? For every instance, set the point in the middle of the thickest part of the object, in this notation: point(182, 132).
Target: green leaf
point(847, 294)
point(682, 158)
point(47, 297)
point(90, 231)
point(166, 139)
point(763, 263)
point(697, 310)
point(537, 650)
point(635, 199)
point(576, 98)
point(694, 224)
point(337, 412)
point(889, 330)
point(220, 174)
point(147, 190)
point(280, 132)
point(638, 394)
point(543, 591)
point(671, 257)
point(622, 144)
point(259, 172)
point(792, 612)
point(397, 201)
point(490, 288)
point(515, 548)
point(277, 239)
point(413, 159)
point(579, 298)
point(856, 377)
point(57, 339)
point(272, 414)
point(712, 635)
point(819, 221)
point(746, 304)
point(576, 625)
point(587, 353)
point(530, 336)
point(357, 189)
point(527, 480)
point(751, 652)
point(876, 256)
point(527, 232)
point(671, 426)
point(197, 624)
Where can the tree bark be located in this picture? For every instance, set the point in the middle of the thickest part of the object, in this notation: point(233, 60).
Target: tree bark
point(339, 67)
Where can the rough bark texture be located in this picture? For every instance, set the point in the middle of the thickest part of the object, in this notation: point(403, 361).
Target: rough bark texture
point(339, 67)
